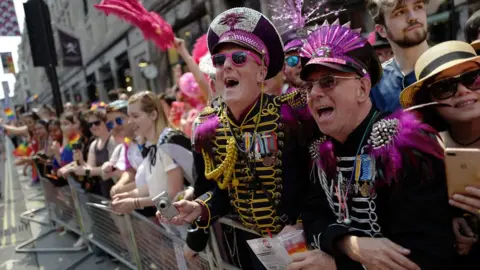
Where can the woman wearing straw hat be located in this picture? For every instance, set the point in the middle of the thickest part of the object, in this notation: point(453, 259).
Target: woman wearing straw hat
point(449, 74)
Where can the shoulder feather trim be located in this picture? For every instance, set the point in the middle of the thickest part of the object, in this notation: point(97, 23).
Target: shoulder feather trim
point(394, 137)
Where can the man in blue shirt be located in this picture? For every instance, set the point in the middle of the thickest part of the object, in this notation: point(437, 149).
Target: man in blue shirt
point(404, 24)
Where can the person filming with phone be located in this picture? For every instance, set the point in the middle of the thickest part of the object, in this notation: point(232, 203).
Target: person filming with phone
point(449, 78)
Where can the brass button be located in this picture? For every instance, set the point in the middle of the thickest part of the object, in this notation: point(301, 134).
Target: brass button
point(278, 172)
point(249, 211)
point(278, 228)
point(280, 144)
point(236, 130)
point(276, 219)
point(214, 149)
point(251, 220)
point(279, 154)
point(278, 195)
point(277, 202)
point(280, 135)
point(278, 180)
point(279, 162)
point(231, 202)
point(279, 187)
point(280, 126)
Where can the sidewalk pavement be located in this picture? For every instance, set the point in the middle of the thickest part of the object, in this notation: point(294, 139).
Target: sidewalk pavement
point(16, 190)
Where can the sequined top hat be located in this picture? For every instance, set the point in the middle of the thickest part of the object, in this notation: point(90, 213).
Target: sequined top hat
point(340, 48)
point(438, 58)
point(250, 29)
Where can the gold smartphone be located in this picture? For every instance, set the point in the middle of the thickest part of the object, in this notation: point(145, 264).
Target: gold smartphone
point(462, 167)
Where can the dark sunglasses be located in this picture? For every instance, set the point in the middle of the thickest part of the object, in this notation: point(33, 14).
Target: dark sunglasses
point(326, 82)
point(94, 123)
point(111, 124)
point(448, 87)
point(292, 60)
point(239, 58)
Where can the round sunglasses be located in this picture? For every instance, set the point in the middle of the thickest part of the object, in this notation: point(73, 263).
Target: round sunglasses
point(292, 60)
point(111, 124)
point(239, 58)
point(447, 88)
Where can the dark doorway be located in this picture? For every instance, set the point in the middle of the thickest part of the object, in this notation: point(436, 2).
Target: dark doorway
point(92, 92)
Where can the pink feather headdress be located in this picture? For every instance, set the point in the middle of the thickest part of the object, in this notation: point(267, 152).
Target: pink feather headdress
point(153, 26)
point(200, 49)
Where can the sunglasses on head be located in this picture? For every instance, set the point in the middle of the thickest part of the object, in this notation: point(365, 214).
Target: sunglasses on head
point(292, 60)
point(447, 88)
point(326, 82)
point(111, 124)
point(239, 58)
point(94, 123)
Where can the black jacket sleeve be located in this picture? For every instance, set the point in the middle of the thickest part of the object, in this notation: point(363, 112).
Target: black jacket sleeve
point(419, 216)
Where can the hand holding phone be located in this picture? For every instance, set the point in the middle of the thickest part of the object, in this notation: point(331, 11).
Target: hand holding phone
point(462, 167)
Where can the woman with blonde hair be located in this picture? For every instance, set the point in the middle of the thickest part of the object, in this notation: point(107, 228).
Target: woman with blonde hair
point(159, 171)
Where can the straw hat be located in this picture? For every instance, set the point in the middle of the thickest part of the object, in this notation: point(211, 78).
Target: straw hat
point(435, 60)
point(476, 45)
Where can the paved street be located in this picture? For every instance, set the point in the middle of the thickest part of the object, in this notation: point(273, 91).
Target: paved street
point(17, 198)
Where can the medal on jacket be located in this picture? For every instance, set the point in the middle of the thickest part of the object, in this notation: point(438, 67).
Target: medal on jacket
point(365, 190)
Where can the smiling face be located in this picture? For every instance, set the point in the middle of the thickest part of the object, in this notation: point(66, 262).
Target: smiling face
point(466, 101)
point(55, 132)
point(240, 83)
point(405, 23)
point(334, 102)
point(97, 126)
point(40, 130)
point(140, 121)
point(118, 130)
point(292, 74)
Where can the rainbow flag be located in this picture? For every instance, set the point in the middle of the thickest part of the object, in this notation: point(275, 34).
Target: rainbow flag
point(23, 150)
point(74, 139)
point(10, 114)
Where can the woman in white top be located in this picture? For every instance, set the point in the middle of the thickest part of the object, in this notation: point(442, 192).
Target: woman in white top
point(158, 172)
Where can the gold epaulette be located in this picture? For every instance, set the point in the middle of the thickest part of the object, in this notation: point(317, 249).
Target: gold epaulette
point(296, 99)
point(206, 113)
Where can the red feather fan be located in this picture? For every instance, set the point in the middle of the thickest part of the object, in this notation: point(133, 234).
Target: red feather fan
point(200, 48)
point(153, 26)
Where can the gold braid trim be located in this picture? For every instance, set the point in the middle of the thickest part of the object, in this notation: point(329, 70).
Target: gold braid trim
point(225, 169)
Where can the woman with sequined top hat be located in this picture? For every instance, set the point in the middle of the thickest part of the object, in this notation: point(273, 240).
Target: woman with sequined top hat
point(251, 146)
point(377, 195)
point(449, 75)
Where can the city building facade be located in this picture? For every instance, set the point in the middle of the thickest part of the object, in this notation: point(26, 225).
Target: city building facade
point(114, 54)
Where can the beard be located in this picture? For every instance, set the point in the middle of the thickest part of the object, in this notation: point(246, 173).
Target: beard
point(408, 40)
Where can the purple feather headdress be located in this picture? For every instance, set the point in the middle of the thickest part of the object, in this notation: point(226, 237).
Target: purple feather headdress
point(331, 43)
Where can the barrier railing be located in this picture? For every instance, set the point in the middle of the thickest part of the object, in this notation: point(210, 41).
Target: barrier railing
point(136, 241)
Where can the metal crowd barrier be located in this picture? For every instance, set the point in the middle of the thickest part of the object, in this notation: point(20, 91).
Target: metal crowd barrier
point(136, 241)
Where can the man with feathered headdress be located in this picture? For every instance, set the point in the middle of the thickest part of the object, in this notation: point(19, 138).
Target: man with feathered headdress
point(378, 196)
point(291, 21)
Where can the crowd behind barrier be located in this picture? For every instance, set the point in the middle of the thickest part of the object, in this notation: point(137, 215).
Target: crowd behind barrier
point(132, 239)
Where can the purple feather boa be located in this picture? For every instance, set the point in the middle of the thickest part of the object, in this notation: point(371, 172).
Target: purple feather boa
point(205, 132)
point(327, 159)
point(412, 135)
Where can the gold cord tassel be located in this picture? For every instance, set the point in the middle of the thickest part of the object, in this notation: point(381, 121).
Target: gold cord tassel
point(226, 169)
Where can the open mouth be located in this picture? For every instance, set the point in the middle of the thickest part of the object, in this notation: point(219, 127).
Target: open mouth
point(324, 112)
point(465, 103)
point(230, 83)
